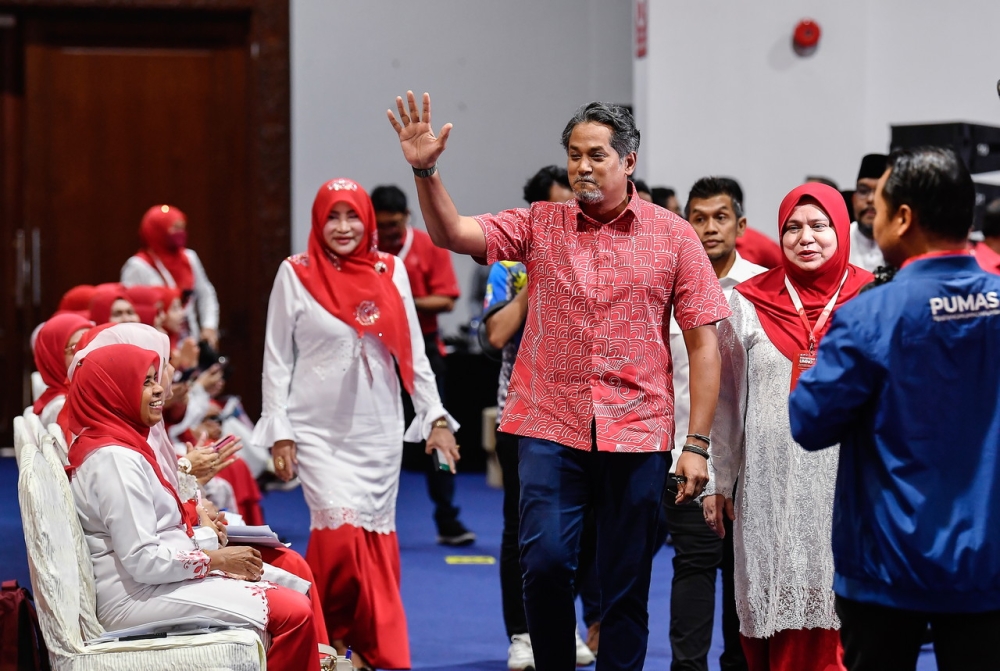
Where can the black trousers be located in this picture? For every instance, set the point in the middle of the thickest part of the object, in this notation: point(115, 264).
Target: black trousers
point(698, 554)
point(440, 484)
point(877, 638)
point(511, 579)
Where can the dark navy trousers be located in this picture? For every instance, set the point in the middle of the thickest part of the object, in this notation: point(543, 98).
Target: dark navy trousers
point(559, 485)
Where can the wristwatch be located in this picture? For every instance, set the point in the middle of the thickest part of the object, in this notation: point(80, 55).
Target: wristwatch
point(184, 464)
point(425, 172)
point(440, 423)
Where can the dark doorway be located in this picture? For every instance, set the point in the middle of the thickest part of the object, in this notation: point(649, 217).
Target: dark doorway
point(110, 111)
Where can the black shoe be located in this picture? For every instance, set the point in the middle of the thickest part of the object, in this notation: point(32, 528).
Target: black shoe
point(454, 533)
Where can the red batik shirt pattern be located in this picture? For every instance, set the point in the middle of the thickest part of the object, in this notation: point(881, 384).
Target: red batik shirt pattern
point(598, 314)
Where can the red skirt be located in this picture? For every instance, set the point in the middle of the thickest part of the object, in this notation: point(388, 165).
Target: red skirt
point(357, 575)
point(795, 650)
point(292, 561)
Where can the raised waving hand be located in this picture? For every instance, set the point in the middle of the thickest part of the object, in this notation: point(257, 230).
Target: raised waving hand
point(421, 147)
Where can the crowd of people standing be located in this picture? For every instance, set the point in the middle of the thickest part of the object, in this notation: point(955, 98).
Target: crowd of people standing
point(663, 373)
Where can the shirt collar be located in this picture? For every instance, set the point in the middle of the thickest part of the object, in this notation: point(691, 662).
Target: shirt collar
point(939, 263)
point(630, 214)
point(741, 271)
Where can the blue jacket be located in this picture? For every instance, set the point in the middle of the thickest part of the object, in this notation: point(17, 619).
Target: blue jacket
point(907, 380)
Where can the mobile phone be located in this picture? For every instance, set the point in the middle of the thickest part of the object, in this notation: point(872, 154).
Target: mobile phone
point(675, 483)
point(225, 441)
point(440, 463)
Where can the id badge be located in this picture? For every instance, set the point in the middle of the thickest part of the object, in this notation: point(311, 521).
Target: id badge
point(803, 360)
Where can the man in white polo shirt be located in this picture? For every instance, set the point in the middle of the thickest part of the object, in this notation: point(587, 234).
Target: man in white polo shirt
point(716, 214)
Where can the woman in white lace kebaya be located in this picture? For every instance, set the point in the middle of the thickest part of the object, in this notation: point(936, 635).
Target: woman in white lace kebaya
point(783, 504)
point(148, 567)
point(340, 320)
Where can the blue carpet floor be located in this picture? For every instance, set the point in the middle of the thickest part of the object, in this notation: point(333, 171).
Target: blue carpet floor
point(452, 605)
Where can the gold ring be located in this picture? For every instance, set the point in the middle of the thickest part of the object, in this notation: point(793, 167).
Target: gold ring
point(279, 463)
point(457, 447)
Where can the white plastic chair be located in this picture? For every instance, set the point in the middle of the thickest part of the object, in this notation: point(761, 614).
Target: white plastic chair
point(22, 437)
point(34, 426)
point(60, 577)
point(60, 442)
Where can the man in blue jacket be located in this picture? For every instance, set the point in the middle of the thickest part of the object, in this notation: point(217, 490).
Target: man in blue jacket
point(907, 380)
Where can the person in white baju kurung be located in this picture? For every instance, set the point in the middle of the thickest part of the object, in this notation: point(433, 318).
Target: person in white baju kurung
point(333, 395)
point(783, 504)
point(148, 563)
point(165, 261)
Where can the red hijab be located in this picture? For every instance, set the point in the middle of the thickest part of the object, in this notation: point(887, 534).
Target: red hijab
point(769, 295)
point(105, 398)
point(77, 299)
point(147, 302)
point(167, 296)
point(159, 244)
point(50, 348)
point(356, 289)
point(104, 297)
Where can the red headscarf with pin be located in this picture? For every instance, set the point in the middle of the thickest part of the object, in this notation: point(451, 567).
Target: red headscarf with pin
point(358, 288)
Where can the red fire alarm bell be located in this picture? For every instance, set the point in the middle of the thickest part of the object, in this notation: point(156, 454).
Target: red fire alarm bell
point(805, 39)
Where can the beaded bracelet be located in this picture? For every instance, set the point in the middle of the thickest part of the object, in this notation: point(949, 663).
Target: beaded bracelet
point(697, 450)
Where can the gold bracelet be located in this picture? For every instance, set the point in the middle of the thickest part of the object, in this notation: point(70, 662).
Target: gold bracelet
point(440, 423)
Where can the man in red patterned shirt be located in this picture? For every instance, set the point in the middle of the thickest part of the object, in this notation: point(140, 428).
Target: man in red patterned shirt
point(591, 394)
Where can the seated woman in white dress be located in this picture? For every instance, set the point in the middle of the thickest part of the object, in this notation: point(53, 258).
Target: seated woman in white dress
point(340, 320)
point(201, 462)
point(53, 350)
point(783, 506)
point(147, 566)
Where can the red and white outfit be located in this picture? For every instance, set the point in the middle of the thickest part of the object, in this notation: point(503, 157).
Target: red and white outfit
point(147, 566)
point(337, 327)
point(166, 261)
point(146, 337)
point(50, 360)
point(431, 274)
point(784, 505)
point(595, 345)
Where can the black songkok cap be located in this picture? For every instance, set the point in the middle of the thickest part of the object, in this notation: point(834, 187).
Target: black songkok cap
point(872, 166)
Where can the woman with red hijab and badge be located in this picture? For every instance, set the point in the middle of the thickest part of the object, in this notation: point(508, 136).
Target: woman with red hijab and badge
point(165, 260)
point(341, 319)
point(147, 564)
point(783, 505)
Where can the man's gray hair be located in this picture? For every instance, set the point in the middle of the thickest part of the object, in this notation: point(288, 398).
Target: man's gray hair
point(624, 134)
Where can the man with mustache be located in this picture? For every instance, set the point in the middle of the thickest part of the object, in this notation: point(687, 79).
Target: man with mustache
point(864, 251)
point(590, 396)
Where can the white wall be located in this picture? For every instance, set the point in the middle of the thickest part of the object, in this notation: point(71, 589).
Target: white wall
point(722, 93)
point(507, 74)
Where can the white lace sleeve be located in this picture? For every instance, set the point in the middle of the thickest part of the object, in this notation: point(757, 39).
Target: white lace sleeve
point(728, 437)
point(426, 400)
point(279, 360)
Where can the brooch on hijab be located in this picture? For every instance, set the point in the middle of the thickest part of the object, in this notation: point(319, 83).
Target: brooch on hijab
point(367, 313)
point(380, 267)
point(341, 185)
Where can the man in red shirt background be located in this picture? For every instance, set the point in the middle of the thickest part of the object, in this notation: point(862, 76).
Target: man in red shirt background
point(435, 289)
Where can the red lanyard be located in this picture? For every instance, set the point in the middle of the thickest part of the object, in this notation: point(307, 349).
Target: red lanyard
point(813, 331)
